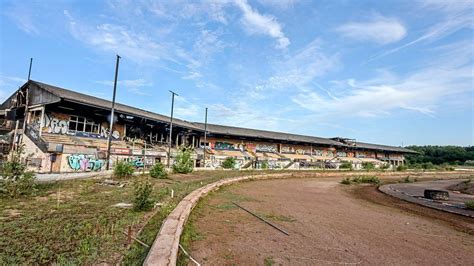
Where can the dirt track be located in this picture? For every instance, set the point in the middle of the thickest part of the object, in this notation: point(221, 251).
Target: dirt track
point(328, 223)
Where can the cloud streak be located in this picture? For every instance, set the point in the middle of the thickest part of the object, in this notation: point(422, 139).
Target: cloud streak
point(420, 91)
point(380, 30)
point(256, 23)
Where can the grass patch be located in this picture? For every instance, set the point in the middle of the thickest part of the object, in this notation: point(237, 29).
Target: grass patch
point(364, 179)
point(268, 261)
point(470, 204)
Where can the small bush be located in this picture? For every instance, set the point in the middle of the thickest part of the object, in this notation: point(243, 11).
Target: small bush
point(428, 166)
point(346, 181)
point(385, 166)
point(407, 179)
point(142, 192)
point(123, 169)
point(346, 165)
point(183, 163)
point(366, 179)
point(16, 180)
point(264, 165)
point(158, 171)
point(368, 166)
point(470, 204)
point(228, 163)
point(402, 168)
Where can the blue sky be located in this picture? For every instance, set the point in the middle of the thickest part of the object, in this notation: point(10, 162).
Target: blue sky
point(387, 72)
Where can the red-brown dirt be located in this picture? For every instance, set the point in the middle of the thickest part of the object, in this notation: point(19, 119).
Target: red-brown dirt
point(328, 223)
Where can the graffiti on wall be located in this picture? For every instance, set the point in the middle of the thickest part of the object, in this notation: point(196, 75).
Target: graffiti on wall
point(266, 148)
point(55, 125)
point(84, 162)
point(227, 146)
point(341, 154)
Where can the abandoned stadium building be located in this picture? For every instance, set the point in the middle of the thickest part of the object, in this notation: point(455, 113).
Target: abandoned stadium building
point(66, 131)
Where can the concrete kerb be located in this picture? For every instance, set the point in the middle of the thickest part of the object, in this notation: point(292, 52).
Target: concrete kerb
point(164, 250)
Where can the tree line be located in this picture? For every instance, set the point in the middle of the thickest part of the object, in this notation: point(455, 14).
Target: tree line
point(437, 155)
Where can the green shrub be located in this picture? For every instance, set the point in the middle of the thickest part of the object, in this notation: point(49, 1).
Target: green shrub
point(158, 171)
point(228, 163)
point(402, 167)
point(346, 165)
point(346, 181)
point(142, 192)
point(16, 180)
point(407, 179)
point(183, 163)
point(264, 165)
point(123, 169)
point(368, 166)
point(470, 204)
point(385, 166)
point(428, 165)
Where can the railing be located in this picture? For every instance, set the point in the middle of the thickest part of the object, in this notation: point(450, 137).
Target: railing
point(34, 136)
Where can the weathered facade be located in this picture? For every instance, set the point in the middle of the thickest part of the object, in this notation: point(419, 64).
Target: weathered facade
point(64, 131)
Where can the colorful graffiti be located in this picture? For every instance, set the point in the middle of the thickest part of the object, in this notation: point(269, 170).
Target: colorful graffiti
point(84, 162)
point(266, 148)
point(224, 146)
point(341, 154)
point(55, 125)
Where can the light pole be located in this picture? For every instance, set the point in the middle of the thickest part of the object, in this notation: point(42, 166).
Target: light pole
point(171, 126)
point(109, 136)
point(205, 137)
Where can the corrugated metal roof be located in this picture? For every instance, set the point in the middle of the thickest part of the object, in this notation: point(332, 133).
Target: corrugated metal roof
point(91, 100)
point(263, 134)
point(215, 129)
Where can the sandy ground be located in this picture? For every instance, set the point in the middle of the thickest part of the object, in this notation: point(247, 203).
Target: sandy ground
point(328, 223)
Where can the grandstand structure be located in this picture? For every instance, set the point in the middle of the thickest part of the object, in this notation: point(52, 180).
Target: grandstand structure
point(61, 130)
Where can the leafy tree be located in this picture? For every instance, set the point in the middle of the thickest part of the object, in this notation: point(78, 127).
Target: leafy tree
point(368, 166)
point(142, 192)
point(346, 165)
point(440, 154)
point(228, 163)
point(16, 180)
point(183, 162)
point(123, 169)
point(158, 171)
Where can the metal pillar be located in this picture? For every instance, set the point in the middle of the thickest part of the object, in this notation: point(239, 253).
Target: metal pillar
point(205, 137)
point(171, 127)
point(109, 137)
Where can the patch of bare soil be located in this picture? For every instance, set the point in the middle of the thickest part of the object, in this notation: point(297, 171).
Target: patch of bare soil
point(373, 195)
point(466, 187)
point(328, 223)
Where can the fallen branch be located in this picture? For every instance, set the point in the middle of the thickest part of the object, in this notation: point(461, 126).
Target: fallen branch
point(136, 239)
point(189, 256)
point(263, 220)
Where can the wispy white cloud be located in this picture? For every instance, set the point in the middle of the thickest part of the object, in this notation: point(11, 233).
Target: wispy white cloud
point(256, 23)
point(455, 15)
point(279, 4)
point(23, 17)
point(420, 91)
point(297, 71)
point(379, 29)
point(135, 86)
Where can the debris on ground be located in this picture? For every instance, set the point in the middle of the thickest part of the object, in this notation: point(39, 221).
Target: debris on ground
point(123, 205)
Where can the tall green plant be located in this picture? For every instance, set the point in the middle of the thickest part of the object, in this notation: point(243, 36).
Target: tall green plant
point(142, 193)
point(228, 163)
point(123, 169)
point(16, 181)
point(158, 171)
point(183, 162)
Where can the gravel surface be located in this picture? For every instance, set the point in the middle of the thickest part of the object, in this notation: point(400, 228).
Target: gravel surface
point(328, 223)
